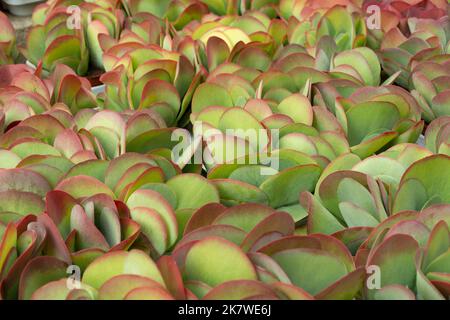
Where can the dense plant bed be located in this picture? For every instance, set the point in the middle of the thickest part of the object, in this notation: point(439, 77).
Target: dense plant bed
point(239, 150)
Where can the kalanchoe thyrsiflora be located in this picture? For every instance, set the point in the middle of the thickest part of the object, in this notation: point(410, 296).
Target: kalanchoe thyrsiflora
point(8, 49)
point(67, 34)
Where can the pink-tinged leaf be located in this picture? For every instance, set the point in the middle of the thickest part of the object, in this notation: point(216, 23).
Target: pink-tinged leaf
point(152, 226)
point(68, 143)
point(58, 205)
point(290, 292)
point(438, 243)
point(424, 288)
point(198, 288)
point(9, 72)
point(172, 277)
point(217, 52)
point(319, 218)
point(155, 201)
point(23, 180)
point(47, 125)
point(84, 257)
point(345, 288)
point(55, 245)
point(116, 263)
point(238, 290)
point(29, 82)
point(268, 264)
point(130, 231)
point(280, 222)
point(22, 203)
point(245, 216)
point(34, 239)
point(225, 261)
point(305, 268)
point(8, 242)
point(59, 290)
point(38, 272)
point(353, 237)
point(148, 293)
point(54, 290)
point(119, 286)
point(118, 167)
point(204, 216)
point(394, 292)
point(415, 229)
point(290, 242)
point(336, 248)
point(83, 186)
point(149, 176)
point(230, 233)
point(88, 236)
point(102, 210)
point(395, 257)
point(387, 224)
point(441, 281)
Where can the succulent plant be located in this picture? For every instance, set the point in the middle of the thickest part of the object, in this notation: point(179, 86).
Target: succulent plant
point(428, 40)
point(8, 49)
point(418, 244)
point(346, 27)
point(24, 90)
point(62, 34)
point(241, 150)
point(430, 82)
point(436, 137)
point(148, 77)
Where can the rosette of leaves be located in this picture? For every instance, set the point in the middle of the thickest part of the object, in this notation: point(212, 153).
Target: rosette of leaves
point(423, 184)
point(346, 27)
point(353, 196)
point(252, 26)
point(178, 13)
point(63, 35)
point(20, 242)
point(248, 167)
point(43, 136)
point(25, 93)
point(430, 80)
point(405, 9)
point(437, 136)
point(273, 257)
point(8, 50)
point(131, 275)
point(54, 142)
point(142, 77)
point(142, 28)
point(152, 192)
point(410, 250)
point(304, 9)
point(428, 41)
point(138, 180)
point(248, 73)
point(85, 228)
point(397, 120)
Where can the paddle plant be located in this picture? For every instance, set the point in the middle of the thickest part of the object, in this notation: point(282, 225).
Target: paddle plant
point(148, 77)
point(24, 93)
point(8, 49)
point(239, 150)
point(68, 33)
point(418, 242)
point(437, 138)
point(345, 25)
point(427, 41)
